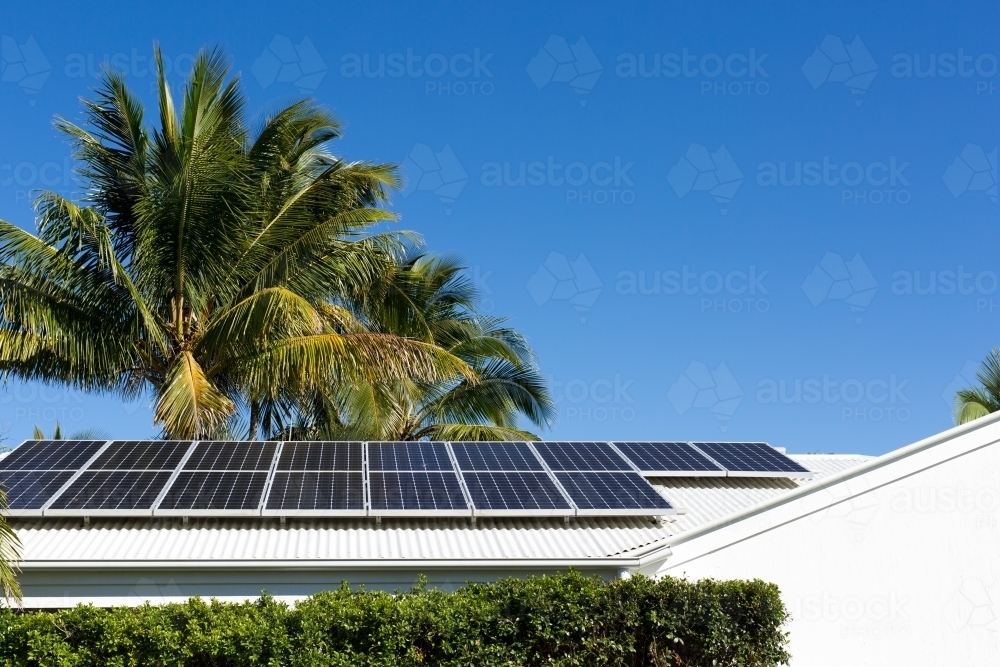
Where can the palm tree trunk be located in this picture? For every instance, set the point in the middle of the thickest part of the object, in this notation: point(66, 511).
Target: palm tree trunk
point(254, 420)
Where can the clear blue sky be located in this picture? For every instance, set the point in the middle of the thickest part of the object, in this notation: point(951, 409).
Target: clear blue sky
point(712, 220)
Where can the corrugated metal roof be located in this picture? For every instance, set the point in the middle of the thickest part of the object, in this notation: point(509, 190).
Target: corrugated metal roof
point(319, 540)
point(316, 539)
point(824, 465)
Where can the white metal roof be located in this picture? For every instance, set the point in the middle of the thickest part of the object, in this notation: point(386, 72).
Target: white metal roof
point(67, 543)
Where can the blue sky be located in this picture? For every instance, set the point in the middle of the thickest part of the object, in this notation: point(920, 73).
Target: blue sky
point(772, 222)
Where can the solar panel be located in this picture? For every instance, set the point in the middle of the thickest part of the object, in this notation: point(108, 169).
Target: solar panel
point(196, 492)
point(515, 494)
point(563, 456)
point(483, 456)
point(752, 459)
point(29, 489)
point(38, 470)
point(669, 459)
point(232, 456)
point(119, 490)
point(408, 456)
point(321, 456)
point(314, 493)
point(416, 493)
point(141, 455)
point(125, 479)
point(613, 493)
point(51, 454)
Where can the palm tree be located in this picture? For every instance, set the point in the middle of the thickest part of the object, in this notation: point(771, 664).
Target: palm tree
point(10, 555)
point(57, 434)
point(212, 266)
point(431, 299)
point(975, 402)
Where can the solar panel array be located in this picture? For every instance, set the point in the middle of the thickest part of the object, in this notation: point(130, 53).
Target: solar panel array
point(380, 479)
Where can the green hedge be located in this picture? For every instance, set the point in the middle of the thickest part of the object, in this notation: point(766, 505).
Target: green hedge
point(560, 620)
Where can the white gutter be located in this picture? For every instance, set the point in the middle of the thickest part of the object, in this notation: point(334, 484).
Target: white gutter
point(304, 564)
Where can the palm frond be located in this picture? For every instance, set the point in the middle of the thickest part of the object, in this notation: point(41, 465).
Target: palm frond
point(188, 406)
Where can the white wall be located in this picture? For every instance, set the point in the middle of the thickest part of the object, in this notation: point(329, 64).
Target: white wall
point(897, 566)
point(53, 588)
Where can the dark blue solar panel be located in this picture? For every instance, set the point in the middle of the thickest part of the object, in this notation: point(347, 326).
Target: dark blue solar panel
point(215, 491)
point(510, 456)
point(51, 455)
point(755, 457)
point(321, 456)
point(29, 489)
point(654, 457)
point(580, 456)
point(611, 491)
point(112, 490)
point(408, 456)
point(513, 491)
point(317, 491)
point(232, 456)
point(417, 491)
point(141, 455)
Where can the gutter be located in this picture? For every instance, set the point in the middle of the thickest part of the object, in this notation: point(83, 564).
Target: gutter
point(309, 565)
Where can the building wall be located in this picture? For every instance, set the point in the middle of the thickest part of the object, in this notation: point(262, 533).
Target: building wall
point(897, 566)
point(50, 589)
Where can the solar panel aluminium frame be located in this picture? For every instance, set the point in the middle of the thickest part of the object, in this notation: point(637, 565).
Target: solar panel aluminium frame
point(41, 511)
point(158, 511)
point(333, 514)
point(755, 473)
point(721, 472)
point(486, 512)
point(649, 511)
point(53, 512)
point(404, 513)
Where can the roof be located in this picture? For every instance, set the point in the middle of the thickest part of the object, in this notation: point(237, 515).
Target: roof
point(319, 543)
